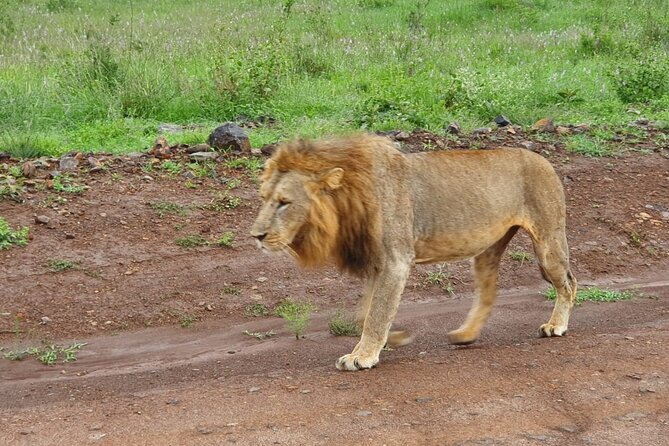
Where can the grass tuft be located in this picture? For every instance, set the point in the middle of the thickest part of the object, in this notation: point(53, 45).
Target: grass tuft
point(594, 294)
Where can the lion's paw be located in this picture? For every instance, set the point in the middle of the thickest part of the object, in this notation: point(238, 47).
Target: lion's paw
point(548, 330)
point(353, 362)
point(461, 337)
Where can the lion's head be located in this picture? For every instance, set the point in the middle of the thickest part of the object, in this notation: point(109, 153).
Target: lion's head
point(319, 204)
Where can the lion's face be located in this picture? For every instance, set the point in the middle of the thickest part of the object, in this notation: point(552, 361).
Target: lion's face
point(285, 210)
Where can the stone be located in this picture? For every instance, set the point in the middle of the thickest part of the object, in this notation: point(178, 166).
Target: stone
point(254, 389)
point(402, 136)
point(28, 169)
point(204, 147)
point(481, 131)
point(529, 145)
point(42, 219)
point(96, 165)
point(161, 148)
point(363, 413)
point(230, 136)
point(562, 130)
point(170, 128)
point(44, 320)
point(203, 156)
point(502, 121)
point(68, 163)
point(642, 121)
point(632, 416)
point(544, 125)
point(268, 149)
point(5, 156)
point(453, 128)
point(424, 399)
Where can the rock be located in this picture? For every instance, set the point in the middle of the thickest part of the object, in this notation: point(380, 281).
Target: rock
point(170, 128)
point(188, 175)
point(136, 156)
point(96, 165)
point(665, 215)
point(401, 136)
point(569, 429)
point(424, 399)
point(28, 169)
point(161, 148)
point(632, 416)
point(642, 122)
point(41, 163)
point(204, 147)
point(580, 128)
point(268, 149)
point(529, 145)
point(203, 156)
point(502, 121)
point(363, 413)
point(230, 136)
point(95, 427)
point(256, 152)
point(44, 320)
point(541, 438)
point(204, 430)
point(254, 389)
point(5, 156)
point(68, 163)
point(42, 219)
point(544, 125)
point(69, 235)
point(562, 130)
point(481, 131)
point(453, 128)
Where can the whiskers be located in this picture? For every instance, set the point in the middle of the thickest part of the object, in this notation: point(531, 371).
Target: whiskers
point(285, 247)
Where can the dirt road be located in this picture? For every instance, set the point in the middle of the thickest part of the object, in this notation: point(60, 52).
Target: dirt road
point(166, 360)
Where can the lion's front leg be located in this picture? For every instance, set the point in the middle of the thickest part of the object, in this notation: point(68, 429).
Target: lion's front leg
point(384, 299)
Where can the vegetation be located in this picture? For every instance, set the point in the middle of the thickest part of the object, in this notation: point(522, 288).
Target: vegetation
point(12, 237)
point(594, 294)
point(440, 277)
point(296, 314)
point(191, 241)
point(99, 75)
point(57, 265)
point(226, 240)
point(520, 256)
point(48, 354)
point(341, 324)
point(163, 208)
point(256, 310)
point(259, 334)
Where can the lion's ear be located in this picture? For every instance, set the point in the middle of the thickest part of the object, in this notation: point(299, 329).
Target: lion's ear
point(270, 167)
point(333, 178)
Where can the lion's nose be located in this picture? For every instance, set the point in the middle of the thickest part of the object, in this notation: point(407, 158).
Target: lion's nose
point(259, 236)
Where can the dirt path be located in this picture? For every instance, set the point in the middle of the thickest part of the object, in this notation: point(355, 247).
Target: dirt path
point(143, 379)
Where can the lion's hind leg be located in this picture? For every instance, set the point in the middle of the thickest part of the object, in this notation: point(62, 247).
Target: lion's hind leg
point(486, 269)
point(553, 257)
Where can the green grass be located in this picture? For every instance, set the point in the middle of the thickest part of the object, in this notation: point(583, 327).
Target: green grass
point(191, 241)
point(594, 294)
point(296, 314)
point(58, 265)
point(440, 277)
point(260, 334)
point(101, 76)
point(163, 208)
point(12, 237)
point(520, 256)
point(226, 240)
point(341, 324)
point(49, 354)
point(254, 310)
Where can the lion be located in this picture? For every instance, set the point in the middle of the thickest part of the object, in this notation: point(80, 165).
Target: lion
point(375, 212)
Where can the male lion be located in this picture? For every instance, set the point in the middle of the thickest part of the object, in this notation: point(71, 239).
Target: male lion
point(376, 212)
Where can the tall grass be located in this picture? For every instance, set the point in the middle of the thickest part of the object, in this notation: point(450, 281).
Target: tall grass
point(100, 75)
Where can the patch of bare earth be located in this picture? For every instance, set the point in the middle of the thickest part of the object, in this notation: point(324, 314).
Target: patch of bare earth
point(166, 360)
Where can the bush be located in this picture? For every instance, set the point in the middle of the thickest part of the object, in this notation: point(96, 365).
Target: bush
point(9, 236)
point(296, 314)
point(642, 79)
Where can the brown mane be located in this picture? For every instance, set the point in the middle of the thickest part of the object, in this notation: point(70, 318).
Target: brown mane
point(342, 222)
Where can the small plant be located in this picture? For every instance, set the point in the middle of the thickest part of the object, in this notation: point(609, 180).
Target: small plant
point(253, 165)
point(10, 237)
point(296, 314)
point(202, 170)
point(587, 146)
point(255, 310)
point(441, 278)
point(594, 294)
point(57, 265)
point(341, 324)
point(223, 201)
point(191, 241)
point(259, 334)
point(187, 320)
point(228, 289)
point(635, 238)
point(226, 240)
point(520, 256)
point(171, 167)
point(163, 208)
point(67, 185)
point(47, 355)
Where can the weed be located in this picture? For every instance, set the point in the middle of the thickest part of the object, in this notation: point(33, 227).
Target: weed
point(635, 238)
point(229, 289)
point(341, 324)
point(441, 278)
point(187, 320)
point(202, 170)
point(223, 201)
point(12, 237)
point(256, 310)
point(49, 354)
point(57, 265)
point(171, 167)
point(594, 294)
point(520, 256)
point(65, 184)
point(252, 165)
point(587, 146)
point(642, 79)
point(233, 184)
point(296, 314)
point(259, 334)
point(163, 208)
point(191, 241)
point(226, 240)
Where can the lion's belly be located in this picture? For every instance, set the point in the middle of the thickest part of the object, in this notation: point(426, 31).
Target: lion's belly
point(457, 245)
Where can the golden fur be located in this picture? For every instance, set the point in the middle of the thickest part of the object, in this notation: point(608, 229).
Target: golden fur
point(375, 212)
